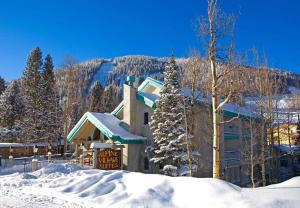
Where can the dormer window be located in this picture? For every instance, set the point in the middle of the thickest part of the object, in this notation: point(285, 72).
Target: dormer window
point(146, 118)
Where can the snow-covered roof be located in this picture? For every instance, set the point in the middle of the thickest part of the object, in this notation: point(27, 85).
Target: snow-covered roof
point(149, 99)
point(98, 145)
point(230, 109)
point(11, 145)
point(285, 112)
point(113, 124)
point(149, 96)
point(109, 125)
point(285, 148)
point(40, 144)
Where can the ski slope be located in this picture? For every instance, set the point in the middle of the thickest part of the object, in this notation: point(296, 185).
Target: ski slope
point(102, 74)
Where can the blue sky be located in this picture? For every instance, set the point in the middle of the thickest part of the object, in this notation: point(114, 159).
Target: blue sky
point(90, 29)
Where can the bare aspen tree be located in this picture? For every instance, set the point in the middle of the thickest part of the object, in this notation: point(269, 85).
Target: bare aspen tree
point(277, 84)
point(298, 113)
point(188, 142)
point(252, 160)
point(254, 126)
point(267, 113)
point(268, 90)
point(69, 65)
point(218, 25)
point(261, 90)
point(289, 127)
point(250, 147)
point(298, 104)
point(250, 131)
point(261, 104)
point(195, 73)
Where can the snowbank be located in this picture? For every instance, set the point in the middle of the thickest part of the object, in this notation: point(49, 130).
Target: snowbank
point(66, 185)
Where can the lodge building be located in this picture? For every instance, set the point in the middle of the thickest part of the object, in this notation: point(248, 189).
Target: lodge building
point(128, 125)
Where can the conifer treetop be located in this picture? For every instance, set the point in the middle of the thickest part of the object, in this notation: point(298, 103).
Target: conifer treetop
point(171, 76)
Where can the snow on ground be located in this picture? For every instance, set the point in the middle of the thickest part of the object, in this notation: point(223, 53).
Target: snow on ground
point(66, 185)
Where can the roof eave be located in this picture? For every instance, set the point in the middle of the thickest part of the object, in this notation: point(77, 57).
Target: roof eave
point(104, 130)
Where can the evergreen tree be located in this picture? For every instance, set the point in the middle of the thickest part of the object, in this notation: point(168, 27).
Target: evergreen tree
point(11, 105)
point(2, 85)
point(52, 113)
point(108, 99)
point(95, 98)
point(48, 77)
point(168, 125)
point(32, 95)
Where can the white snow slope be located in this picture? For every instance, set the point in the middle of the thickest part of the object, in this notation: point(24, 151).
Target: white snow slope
point(102, 74)
point(66, 185)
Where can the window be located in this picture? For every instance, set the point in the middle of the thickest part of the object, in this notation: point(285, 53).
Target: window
point(146, 118)
point(146, 163)
point(236, 174)
point(284, 162)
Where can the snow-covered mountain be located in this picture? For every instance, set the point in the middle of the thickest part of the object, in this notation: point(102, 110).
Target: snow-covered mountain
point(114, 72)
point(109, 72)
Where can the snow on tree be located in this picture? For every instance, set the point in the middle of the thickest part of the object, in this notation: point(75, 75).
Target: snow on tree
point(11, 111)
point(52, 112)
point(32, 95)
point(95, 98)
point(140, 66)
point(111, 97)
point(2, 85)
point(11, 105)
point(168, 126)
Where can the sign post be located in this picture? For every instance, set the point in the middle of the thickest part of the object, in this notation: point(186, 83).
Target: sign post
point(109, 159)
point(107, 156)
point(95, 162)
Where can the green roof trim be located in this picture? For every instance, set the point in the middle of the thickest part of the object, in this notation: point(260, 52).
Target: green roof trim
point(148, 81)
point(148, 102)
point(229, 137)
point(158, 84)
point(104, 130)
point(234, 114)
point(118, 109)
point(76, 128)
point(152, 82)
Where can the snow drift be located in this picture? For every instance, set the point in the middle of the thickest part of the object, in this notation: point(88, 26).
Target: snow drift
point(66, 185)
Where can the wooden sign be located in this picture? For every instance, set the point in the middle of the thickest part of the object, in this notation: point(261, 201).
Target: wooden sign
point(109, 159)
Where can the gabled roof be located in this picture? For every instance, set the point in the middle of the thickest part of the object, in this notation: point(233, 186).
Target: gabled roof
point(230, 110)
point(118, 109)
point(150, 82)
point(147, 98)
point(142, 94)
point(109, 125)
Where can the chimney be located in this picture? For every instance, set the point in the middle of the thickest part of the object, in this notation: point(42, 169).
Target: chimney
point(129, 111)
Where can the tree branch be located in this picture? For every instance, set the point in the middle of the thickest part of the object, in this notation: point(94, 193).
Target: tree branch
point(226, 99)
point(230, 120)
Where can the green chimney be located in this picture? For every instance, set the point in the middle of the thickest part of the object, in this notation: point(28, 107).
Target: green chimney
point(130, 80)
